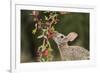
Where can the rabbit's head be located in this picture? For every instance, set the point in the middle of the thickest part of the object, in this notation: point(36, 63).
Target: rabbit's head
point(60, 38)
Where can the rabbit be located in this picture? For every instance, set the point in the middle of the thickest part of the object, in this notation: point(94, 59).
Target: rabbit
point(69, 53)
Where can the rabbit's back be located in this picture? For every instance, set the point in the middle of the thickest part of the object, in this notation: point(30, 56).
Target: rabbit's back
point(74, 53)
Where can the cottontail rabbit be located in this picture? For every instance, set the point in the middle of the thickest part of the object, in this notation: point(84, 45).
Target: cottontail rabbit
point(69, 52)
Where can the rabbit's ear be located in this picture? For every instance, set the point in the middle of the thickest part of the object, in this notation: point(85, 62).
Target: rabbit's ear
point(71, 36)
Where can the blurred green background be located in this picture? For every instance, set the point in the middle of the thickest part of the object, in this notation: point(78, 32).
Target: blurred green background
point(71, 22)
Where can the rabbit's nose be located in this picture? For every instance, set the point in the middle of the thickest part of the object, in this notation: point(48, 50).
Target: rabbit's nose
point(54, 34)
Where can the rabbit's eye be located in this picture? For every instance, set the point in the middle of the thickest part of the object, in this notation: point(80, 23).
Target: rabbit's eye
point(62, 36)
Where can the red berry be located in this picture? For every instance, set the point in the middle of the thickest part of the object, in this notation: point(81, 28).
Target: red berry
point(49, 34)
point(45, 53)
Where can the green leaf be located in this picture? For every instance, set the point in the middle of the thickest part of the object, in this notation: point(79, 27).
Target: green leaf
point(53, 28)
point(50, 49)
point(44, 30)
point(42, 48)
point(46, 18)
point(41, 36)
point(34, 31)
point(42, 59)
